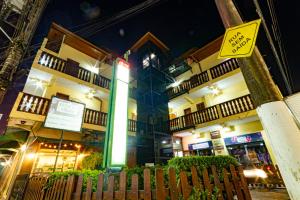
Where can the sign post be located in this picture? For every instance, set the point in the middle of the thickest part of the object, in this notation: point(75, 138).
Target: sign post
point(116, 132)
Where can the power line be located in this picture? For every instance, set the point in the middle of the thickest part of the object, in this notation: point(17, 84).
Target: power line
point(282, 67)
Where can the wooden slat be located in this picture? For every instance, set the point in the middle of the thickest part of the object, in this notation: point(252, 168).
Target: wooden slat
point(69, 188)
point(207, 184)
point(195, 179)
point(172, 184)
point(244, 183)
point(133, 194)
point(217, 183)
point(77, 195)
point(109, 195)
point(122, 186)
point(236, 183)
point(99, 192)
point(89, 186)
point(228, 185)
point(185, 187)
point(160, 186)
point(147, 184)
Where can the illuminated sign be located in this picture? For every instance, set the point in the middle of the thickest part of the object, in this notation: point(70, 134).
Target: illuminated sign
point(254, 137)
point(201, 145)
point(116, 135)
point(64, 115)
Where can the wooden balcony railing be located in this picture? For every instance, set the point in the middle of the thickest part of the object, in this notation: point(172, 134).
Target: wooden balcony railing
point(223, 68)
point(192, 119)
point(52, 62)
point(131, 125)
point(61, 65)
point(232, 107)
point(38, 105)
point(33, 104)
point(202, 78)
point(95, 117)
point(101, 81)
point(235, 106)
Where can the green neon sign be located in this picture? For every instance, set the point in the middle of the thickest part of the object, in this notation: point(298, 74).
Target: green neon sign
point(116, 132)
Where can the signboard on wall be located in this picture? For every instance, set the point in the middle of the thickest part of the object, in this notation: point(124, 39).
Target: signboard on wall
point(242, 139)
point(215, 135)
point(201, 145)
point(65, 115)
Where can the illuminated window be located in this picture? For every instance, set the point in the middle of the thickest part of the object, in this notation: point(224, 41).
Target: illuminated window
point(146, 62)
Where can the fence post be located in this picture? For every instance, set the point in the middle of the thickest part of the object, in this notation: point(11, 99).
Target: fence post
point(172, 184)
point(78, 188)
point(147, 185)
point(185, 187)
point(134, 187)
point(236, 183)
point(244, 184)
point(160, 186)
point(217, 182)
point(88, 193)
point(99, 192)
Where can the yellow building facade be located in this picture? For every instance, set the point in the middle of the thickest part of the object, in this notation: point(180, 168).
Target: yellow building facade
point(211, 111)
point(68, 67)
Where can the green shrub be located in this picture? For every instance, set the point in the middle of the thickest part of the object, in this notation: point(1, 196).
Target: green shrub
point(201, 162)
point(92, 161)
point(86, 173)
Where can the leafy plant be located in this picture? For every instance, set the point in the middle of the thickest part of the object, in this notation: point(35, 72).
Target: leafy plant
point(201, 162)
point(86, 173)
point(92, 161)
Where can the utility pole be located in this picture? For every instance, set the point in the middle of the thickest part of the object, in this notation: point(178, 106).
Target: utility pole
point(25, 28)
point(278, 122)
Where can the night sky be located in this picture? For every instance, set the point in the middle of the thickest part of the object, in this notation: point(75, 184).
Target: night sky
point(180, 24)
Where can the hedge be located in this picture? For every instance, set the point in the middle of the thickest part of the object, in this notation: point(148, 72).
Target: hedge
point(178, 163)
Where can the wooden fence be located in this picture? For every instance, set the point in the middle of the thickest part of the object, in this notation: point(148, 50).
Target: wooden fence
point(224, 185)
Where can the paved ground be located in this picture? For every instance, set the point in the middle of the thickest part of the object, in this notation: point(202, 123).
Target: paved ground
point(263, 194)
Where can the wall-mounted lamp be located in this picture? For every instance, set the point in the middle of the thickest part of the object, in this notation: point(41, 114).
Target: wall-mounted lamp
point(215, 90)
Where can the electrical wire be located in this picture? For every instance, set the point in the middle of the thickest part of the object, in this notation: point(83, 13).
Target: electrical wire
point(277, 36)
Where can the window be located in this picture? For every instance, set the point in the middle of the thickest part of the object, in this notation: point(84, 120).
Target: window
point(200, 106)
point(146, 62)
point(62, 96)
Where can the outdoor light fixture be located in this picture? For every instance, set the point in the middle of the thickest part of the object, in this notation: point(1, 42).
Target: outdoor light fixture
point(176, 83)
point(152, 55)
point(91, 94)
point(39, 84)
point(164, 142)
point(214, 90)
point(23, 147)
point(31, 156)
point(254, 173)
point(116, 135)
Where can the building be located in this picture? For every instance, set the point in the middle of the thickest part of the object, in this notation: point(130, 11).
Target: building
point(192, 105)
point(211, 111)
point(68, 67)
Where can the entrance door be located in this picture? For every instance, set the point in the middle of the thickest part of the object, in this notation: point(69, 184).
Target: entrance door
point(188, 117)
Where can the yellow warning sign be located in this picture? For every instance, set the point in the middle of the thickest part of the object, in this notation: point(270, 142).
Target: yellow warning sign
point(239, 41)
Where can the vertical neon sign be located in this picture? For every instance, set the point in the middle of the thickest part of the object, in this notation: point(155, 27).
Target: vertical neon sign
point(116, 133)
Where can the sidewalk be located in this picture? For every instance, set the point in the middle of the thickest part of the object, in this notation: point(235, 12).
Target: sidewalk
point(264, 194)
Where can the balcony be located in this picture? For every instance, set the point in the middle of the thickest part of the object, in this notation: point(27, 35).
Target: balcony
point(36, 105)
point(210, 114)
point(70, 68)
point(204, 77)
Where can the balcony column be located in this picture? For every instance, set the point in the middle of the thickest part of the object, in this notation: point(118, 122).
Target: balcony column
point(278, 122)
